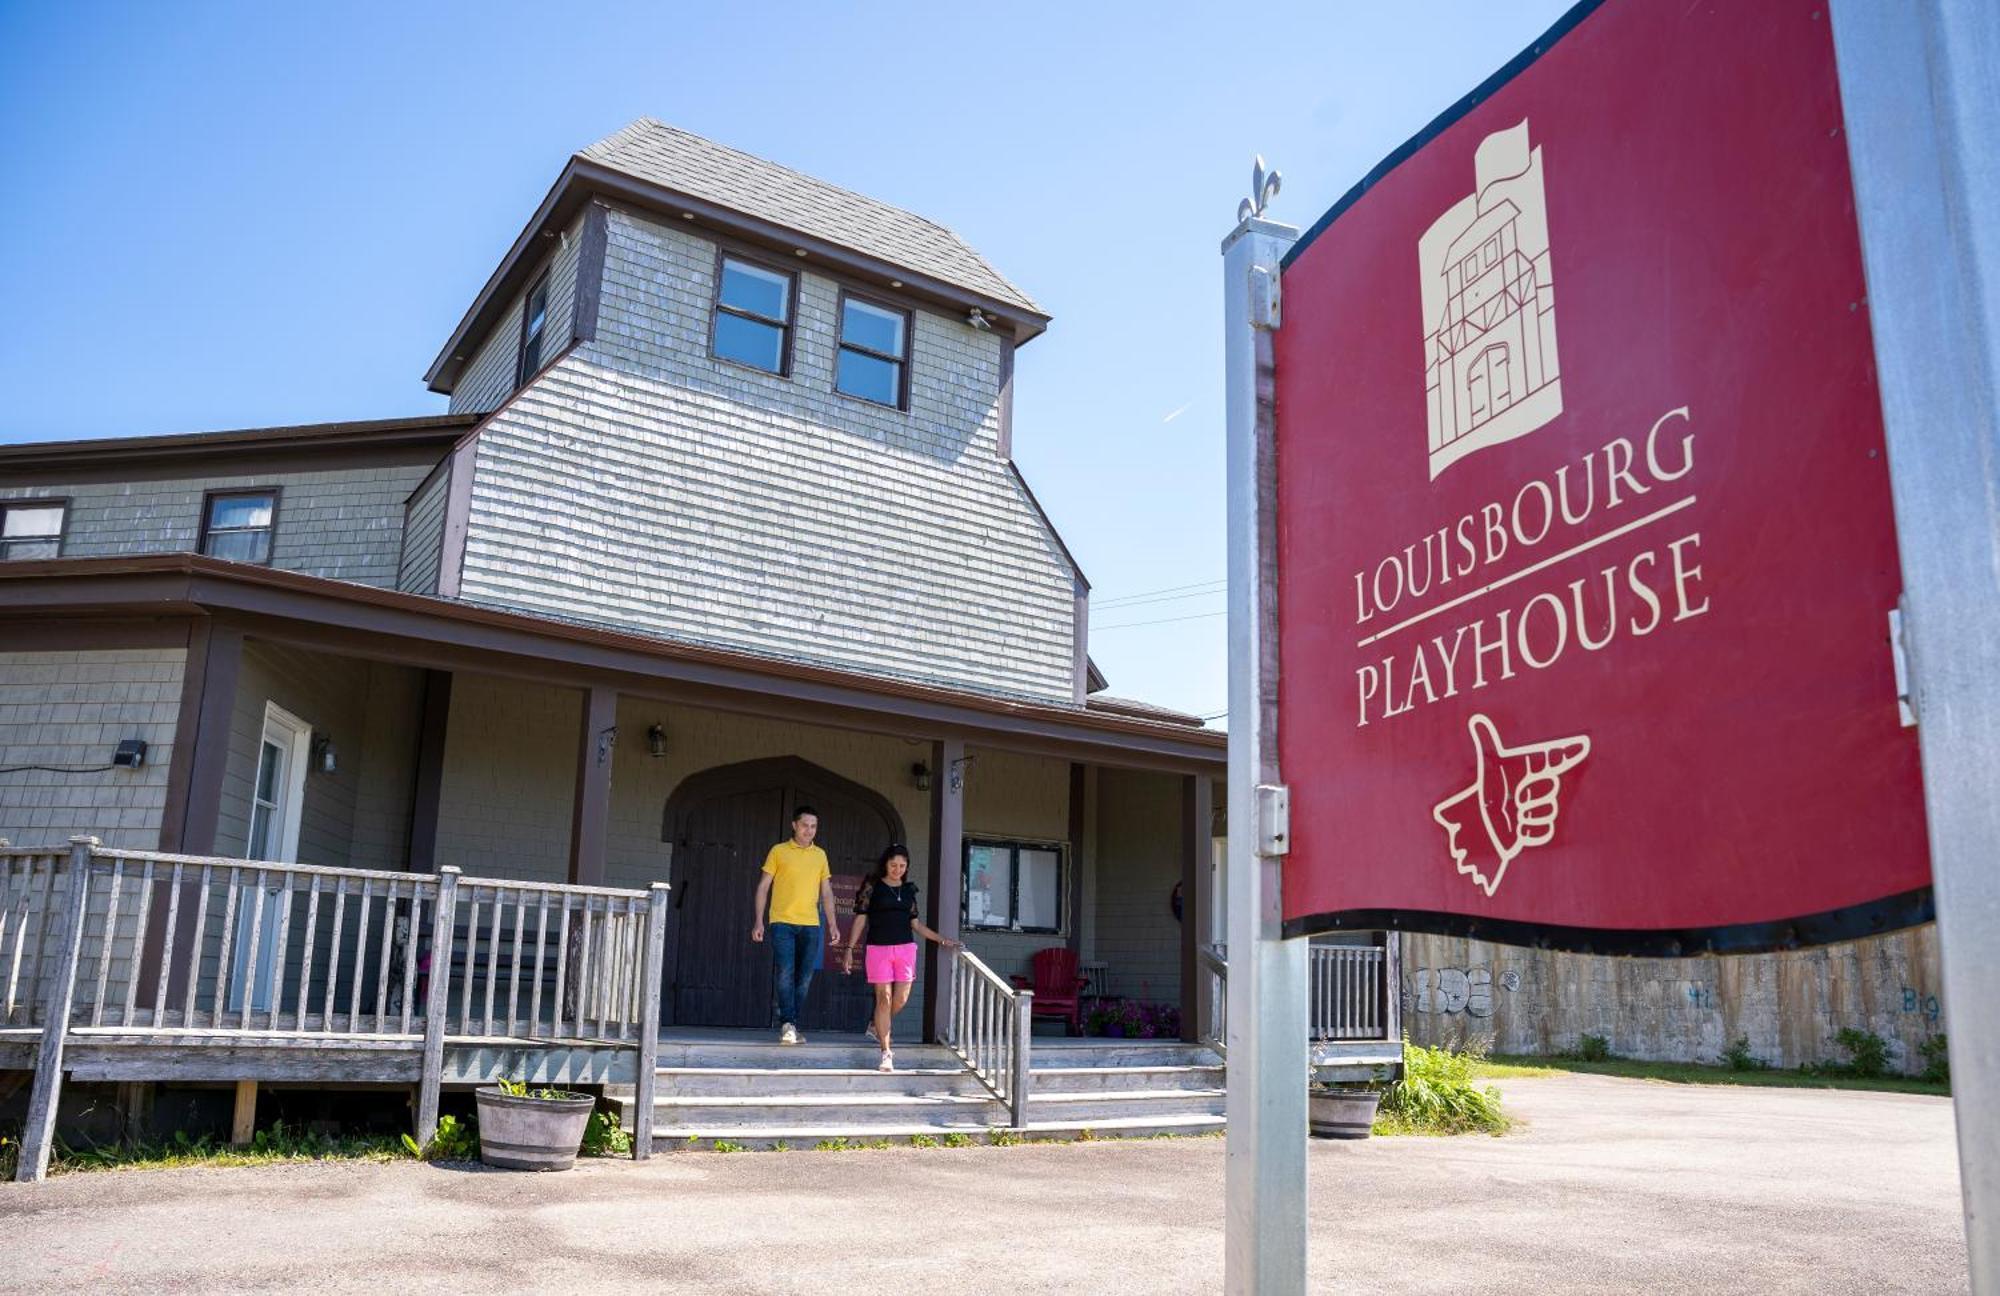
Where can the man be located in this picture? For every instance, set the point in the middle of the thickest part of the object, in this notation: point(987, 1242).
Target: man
point(798, 887)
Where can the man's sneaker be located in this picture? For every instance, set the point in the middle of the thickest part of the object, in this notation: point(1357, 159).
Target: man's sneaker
point(888, 1062)
point(789, 1034)
point(871, 1033)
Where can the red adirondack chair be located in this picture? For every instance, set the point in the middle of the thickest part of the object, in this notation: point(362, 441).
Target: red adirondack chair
point(1058, 986)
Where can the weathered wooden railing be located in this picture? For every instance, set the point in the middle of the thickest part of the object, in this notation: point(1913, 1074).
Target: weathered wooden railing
point(1348, 990)
point(1351, 993)
point(1214, 1027)
point(156, 948)
point(989, 1028)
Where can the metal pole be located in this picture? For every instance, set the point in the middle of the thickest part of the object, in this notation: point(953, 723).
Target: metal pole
point(1265, 1239)
point(1920, 92)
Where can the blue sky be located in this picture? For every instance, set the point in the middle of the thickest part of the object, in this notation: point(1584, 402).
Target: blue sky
point(242, 216)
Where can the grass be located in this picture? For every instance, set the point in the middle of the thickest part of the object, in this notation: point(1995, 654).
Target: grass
point(1516, 1068)
point(1440, 1093)
point(278, 1145)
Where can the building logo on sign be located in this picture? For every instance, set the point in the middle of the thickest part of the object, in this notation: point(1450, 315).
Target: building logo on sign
point(1511, 805)
point(1490, 353)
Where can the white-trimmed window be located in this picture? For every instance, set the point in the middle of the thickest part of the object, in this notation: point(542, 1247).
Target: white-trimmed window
point(239, 524)
point(32, 528)
point(534, 325)
point(753, 315)
point(1015, 886)
point(874, 352)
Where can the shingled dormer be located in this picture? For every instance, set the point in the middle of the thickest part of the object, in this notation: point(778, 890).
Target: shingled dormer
point(733, 404)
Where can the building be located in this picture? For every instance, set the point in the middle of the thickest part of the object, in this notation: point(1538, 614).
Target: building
point(722, 517)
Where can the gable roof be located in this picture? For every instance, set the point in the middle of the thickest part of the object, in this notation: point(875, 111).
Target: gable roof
point(311, 445)
point(653, 167)
point(701, 168)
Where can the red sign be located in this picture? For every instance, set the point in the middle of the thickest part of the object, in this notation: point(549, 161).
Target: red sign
point(1585, 544)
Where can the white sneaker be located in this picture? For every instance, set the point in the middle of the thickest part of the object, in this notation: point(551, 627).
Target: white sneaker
point(789, 1034)
point(871, 1033)
point(888, 1062)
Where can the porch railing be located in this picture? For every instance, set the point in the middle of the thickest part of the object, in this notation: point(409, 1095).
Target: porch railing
point(154, 948)
point(1350, 993)
point(990, 1027)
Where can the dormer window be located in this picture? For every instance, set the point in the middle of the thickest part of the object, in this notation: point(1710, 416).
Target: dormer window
point(238, 525)
point(874, 350)
point(31, 529)
point(534, 322)
point(753, 316)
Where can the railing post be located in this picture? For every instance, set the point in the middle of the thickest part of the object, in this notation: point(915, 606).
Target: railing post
point(437, 1003)
point(40, 1131)
point(649, 1022)
point(1392, 987)
point(1024, 1036)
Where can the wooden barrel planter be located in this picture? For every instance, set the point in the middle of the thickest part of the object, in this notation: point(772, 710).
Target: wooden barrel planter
point(523, 1133)
point(1341, 1113)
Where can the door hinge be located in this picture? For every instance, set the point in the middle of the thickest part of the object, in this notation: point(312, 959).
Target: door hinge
point(1274, 819)
point(1906, 702)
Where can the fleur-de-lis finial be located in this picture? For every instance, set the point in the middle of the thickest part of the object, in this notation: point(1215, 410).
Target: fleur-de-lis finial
point(1263, 188)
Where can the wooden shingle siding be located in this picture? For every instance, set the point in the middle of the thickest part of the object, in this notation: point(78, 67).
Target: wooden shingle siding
point(489, 379)
point(73, 708)
point(1138, 862)
point(346, 524)
point(423, 535)
point(640, 483)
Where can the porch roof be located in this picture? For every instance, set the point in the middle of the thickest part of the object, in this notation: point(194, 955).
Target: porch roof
point(65, 595)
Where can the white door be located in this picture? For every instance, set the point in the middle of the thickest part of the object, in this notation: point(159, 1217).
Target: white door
point(276, 795)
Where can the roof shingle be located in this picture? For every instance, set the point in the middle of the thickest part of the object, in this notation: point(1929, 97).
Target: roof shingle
point(652, 151)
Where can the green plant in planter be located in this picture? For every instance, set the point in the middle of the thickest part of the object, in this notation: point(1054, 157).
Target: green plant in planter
point(520, 1089)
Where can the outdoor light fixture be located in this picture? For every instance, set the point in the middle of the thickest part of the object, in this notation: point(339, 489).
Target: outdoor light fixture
point(957, 779)
point(324, 758)
point(978, 320)
point(131, 752)
point(920, 773)
point(656, 740)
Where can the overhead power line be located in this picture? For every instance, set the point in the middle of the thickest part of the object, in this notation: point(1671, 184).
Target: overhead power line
point(1137, 595)
point(1127, 625)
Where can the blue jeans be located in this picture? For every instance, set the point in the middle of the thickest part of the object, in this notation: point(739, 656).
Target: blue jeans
point(795, 954)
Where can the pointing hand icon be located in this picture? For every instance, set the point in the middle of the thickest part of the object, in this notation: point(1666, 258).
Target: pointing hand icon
point(1517, 791)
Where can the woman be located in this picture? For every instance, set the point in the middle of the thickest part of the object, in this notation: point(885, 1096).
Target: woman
point(885, 911)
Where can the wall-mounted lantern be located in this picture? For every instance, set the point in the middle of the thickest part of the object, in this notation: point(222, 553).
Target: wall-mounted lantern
point(920, 774)
point(656, 740)
point(324, 758)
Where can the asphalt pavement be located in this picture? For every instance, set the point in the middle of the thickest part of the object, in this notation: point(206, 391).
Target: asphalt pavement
point(1612, 1186)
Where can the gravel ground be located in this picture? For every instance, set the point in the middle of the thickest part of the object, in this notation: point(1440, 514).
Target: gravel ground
point(1613, 1185)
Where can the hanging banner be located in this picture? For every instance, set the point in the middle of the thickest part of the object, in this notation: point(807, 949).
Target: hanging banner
point(1586, 559)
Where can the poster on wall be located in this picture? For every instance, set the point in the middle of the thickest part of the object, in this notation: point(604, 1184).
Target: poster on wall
point(1586, 556)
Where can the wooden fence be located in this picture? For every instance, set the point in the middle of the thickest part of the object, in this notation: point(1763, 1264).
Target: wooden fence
point(180, 952)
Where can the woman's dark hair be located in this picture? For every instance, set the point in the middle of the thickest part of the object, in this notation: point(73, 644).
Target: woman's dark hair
point(879, 874)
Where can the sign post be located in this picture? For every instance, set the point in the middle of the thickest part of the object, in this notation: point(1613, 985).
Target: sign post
point(1266, 1025)
point(1920, 90)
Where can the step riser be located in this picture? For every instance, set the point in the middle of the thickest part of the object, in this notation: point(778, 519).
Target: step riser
point(703, 1140)
point(1103, 1081)
point(783, 1084)
point(851, 1057)
point(816, 1116)
point(1112, 1107)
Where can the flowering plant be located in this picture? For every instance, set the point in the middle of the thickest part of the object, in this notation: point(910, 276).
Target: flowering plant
point(1133, 1019)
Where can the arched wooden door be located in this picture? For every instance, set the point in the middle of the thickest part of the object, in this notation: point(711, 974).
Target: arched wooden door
point(722, 822)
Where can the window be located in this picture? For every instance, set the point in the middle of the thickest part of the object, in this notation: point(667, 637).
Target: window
point(238, 525)
point(1013, 886)
point(534, 322)
point(32, 529)
point(874, 346)
point(753, 316)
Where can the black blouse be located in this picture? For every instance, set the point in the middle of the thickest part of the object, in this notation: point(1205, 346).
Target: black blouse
point(890, 911)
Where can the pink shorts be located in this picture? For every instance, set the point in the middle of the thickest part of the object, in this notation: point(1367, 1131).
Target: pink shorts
point(891, 963)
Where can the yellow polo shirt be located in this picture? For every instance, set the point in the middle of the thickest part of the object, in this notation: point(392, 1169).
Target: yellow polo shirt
point(796, 872)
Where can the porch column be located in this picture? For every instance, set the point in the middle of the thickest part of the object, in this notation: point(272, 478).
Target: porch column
point(428, 792)
point(1197, 818)
point(1079, 825)
point(947, 875)
point(590, 812)
point(194, 788)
